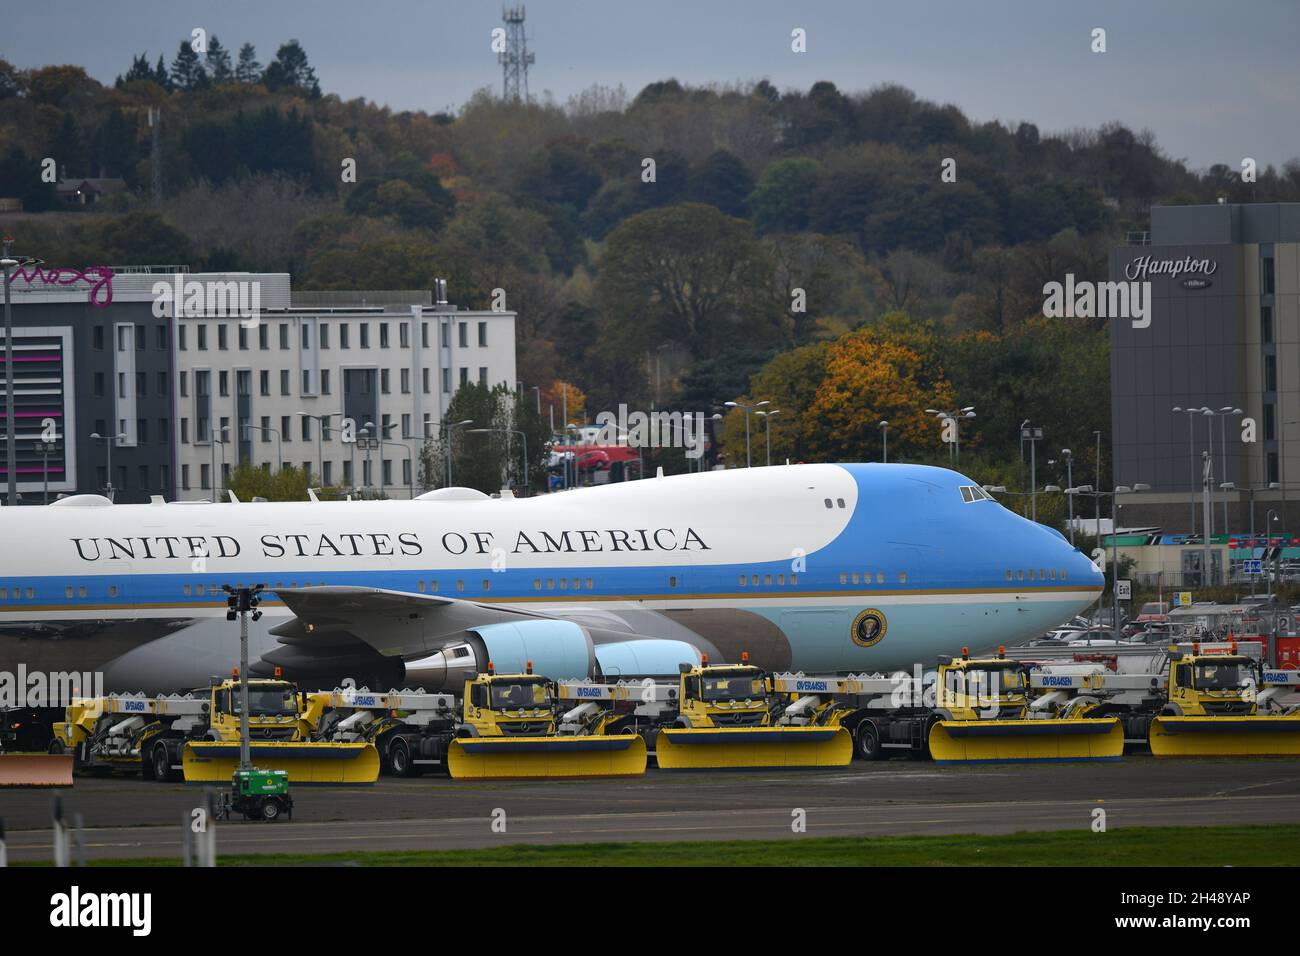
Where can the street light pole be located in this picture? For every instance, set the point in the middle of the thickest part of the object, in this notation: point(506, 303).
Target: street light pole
point(11, 417)
point(767, 429)
point(1069, 483)
point(884, 442)
point(747, 409)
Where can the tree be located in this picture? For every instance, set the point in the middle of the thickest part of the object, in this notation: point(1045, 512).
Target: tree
point(290, 71)
point(160, 74)
point(140, 238)
point(51, 85)
point(69, 149)
point(723, 181)
point(248, 70)
point(889, 371)
point(187, 71)
point(686, 274)
point(12, 81)
point(115, 145)
point(248, 481)
point(781, 202)
point(218, 62)
point(20, 178)
point(488, 454)
point(140, 70)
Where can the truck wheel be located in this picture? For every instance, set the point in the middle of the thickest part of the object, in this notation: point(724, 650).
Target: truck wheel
point(866, 742)
point(56, 748)
point(270, 810)
point(1171, 710)
point(399, 758)
point(162, 764)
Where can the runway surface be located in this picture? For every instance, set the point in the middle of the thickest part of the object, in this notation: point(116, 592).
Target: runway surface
point(128, 818)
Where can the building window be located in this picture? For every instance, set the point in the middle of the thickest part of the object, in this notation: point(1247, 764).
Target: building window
point(406, 381)
point(141, 337)
point(141, 384)
point(284, 335)
point(180, 337)
point(324, 336)
point(285, 433)
point(264, 382)
point(263, 336)
point(324, 381)
point(1272, 466)
point(462, 334)
point(404, 334)
point(185, 481)
point(97, 338)
point(464, 375)
point(343, 336)
point(306, 381)
point(383, 381)
point(185, 384)
point(284, 382)
point(162, 338)
point(365, 335)
point(483, 375)
point(306, 428)
point(482, 335)
point(162, 384)
point(1270, 422)
point(223, 337)
point(383, 335)
point(1266, 275)
point(223, 383)
point(1270, 373)
point(243, 338)
point(1266, 324)
point(185, 437)
point(203, 337)
point(98, 390)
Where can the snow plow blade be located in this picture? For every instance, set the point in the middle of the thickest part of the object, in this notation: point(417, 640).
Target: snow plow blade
point(495, 758)
point(733, 748)
point(35, 770)
point(976, 741)
point(213, 761)
point(1225, 736)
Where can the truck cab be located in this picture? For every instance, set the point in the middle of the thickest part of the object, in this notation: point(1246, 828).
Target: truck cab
point(982, 688)
point(274, 710)
point(1211, 682)
point(727, 695)
point(508, 705)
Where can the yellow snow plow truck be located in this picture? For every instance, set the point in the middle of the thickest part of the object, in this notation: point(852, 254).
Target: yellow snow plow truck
point(1209, 700)
point(975, 712)
point(196, 738)
point(727, 716)
point(508, 728)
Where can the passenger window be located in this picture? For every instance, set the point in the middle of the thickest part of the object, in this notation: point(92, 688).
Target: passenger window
point(767, 580)
point(419, 586)
point(902, 577)
point(672, 581)
point(754, 580)
point(487, 584)
point(537, 584)
point(743, 580)
point(780, 579)
point(1020, 574)
point(460, 585)
point(880, 577)
point(844, 578)
point(588, 584)
point(828, 502)
point(855, 577)
point(840, 502)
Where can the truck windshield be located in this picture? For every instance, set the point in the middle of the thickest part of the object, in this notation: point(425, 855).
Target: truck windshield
point(508, 695)
point(266, 701)
point(732, 687)
point(1221, 675)
point(983, 683)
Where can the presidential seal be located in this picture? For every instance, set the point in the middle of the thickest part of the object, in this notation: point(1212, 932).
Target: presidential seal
point(869, 627)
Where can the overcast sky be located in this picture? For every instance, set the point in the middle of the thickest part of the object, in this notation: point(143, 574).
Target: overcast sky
point(1214, 81)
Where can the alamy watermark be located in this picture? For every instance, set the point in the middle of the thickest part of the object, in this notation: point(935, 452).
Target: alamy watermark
point(653, 430)
point(25, 688)
point(1098, 300)
point(230, 299)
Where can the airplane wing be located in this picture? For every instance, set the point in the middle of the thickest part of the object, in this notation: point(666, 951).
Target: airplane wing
point(361, 630)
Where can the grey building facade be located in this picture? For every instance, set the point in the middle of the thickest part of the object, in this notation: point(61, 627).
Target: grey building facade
point(1224, 335)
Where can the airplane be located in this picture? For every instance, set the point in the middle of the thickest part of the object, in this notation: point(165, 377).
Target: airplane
point(810, 567)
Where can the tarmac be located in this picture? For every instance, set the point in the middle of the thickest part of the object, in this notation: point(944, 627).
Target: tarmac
point(126, 818)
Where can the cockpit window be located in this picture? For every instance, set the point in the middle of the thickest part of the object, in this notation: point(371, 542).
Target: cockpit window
point(971, 493)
